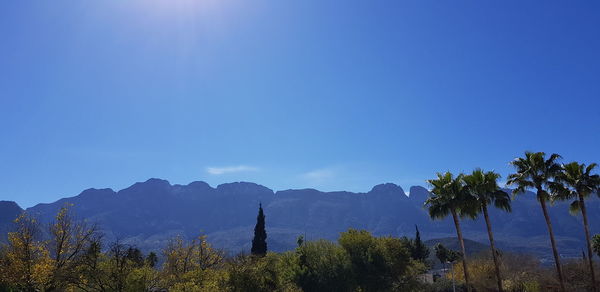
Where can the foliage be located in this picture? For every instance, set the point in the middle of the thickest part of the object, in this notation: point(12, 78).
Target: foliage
point(448, 195)
point(573, 181)
point(445, 255)
point(121, 268)
point(360, 262)
point(534, 171)
point(69, 255)
point(444, 285)
point(300, 240)
point(152, 259)
point(418, 250)
point(380, 263)
point(68, 243)
point(323, 266)
point(186, 263)
point(250, 273)
point(521, 273)
point(27, 265)
point(441, 253)
point(576, 273)
point(483, 187)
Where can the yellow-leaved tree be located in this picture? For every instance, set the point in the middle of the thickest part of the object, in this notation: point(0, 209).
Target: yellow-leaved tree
point(69, 241)
point(188, 265)
point(28, 265)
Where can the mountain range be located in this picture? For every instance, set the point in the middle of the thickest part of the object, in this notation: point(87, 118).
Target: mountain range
point(147, 214)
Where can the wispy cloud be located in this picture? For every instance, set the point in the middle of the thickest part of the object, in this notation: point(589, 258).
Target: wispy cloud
point(319, 175)
point(230, 169)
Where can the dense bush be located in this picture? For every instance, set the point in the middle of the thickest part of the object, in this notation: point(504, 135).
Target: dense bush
point(74, 259)
point(380, 263)
point(323, 266)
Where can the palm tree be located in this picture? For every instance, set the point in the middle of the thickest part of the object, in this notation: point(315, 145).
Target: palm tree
point(448, 197)
point(575, 181)
point(483, 186)
point(534, 171)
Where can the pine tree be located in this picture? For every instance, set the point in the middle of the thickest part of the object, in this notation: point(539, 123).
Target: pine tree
point(419, 251)
point(259, 243)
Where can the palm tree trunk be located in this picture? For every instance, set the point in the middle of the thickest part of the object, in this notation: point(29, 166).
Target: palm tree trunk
point(492, 246)
point(553, 242)
point(588, 241)
point(462, 247)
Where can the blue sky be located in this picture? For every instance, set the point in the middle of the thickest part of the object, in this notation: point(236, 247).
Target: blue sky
point(335, 95)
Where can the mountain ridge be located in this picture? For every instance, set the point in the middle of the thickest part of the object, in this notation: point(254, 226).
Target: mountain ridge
point(149, 213)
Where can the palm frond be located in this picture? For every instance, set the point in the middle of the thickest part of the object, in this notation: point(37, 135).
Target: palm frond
point(483, 189)
point(448, 195)
point(590, 167)
point(552, 159)
point(438, 211)
point(559, 192)
point(574, 208)
point(502, 201)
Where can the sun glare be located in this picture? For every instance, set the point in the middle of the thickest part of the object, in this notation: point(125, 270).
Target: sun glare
point(184, 7)
point(189, 19)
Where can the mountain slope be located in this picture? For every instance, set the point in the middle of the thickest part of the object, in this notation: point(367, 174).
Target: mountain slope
point(8, 212)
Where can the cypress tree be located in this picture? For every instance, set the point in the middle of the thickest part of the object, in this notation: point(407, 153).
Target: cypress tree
point(259, 243)
point(420, 251)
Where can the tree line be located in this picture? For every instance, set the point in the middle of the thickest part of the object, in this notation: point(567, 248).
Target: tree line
point(69, 255)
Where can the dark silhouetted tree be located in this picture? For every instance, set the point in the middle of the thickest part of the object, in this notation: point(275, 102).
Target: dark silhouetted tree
point(448, 196)
point(300, 240)
point(536, 172)
point(135, 255)
point(483, 186)
point(575, 181)
point(259, 243)
point(151, 259)
point(441, 252)
point(419, 251)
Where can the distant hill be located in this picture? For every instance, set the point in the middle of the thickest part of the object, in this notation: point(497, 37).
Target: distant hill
point(8, 212)
point(148, 213)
